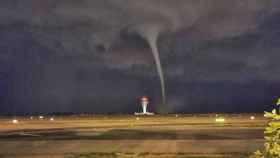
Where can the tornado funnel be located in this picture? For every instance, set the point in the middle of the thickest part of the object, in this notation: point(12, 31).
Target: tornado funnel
point(151, 36)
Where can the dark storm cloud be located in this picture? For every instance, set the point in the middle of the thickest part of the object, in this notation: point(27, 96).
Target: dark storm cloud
point(240, 59)
point(105, 20)
point(57, 55)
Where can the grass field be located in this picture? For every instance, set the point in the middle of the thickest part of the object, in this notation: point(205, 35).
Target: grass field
point(188, 136)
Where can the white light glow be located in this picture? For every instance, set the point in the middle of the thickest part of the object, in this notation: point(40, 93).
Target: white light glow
point(252, 117)
point(15, 121)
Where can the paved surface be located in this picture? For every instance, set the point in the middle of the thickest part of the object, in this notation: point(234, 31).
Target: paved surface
point(157, 136)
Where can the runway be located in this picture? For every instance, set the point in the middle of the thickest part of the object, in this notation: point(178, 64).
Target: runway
point(132, 136)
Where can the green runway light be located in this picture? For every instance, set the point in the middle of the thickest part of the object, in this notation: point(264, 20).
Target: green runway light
point(220, 120)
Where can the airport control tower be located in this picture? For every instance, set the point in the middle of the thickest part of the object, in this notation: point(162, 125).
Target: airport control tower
point(144, 103)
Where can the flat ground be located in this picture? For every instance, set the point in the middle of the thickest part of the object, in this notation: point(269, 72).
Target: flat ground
point(131, 136)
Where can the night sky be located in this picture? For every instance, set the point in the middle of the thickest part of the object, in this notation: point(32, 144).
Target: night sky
point(94, 56)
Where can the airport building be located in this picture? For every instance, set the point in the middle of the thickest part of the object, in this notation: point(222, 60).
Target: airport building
point(144, 101)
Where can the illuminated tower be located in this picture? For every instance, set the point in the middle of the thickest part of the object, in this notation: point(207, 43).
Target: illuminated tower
point(144, 103)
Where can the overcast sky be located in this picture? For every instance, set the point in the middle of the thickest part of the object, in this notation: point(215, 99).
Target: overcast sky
point(93, 56)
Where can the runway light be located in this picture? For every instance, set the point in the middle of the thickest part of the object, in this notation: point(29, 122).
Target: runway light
point(41, 117)
point(176, 115)
point(15, 121)
point(31, 117)
point(220, 120)
point(137, 118)
point(252, 117)
point(51, 119)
